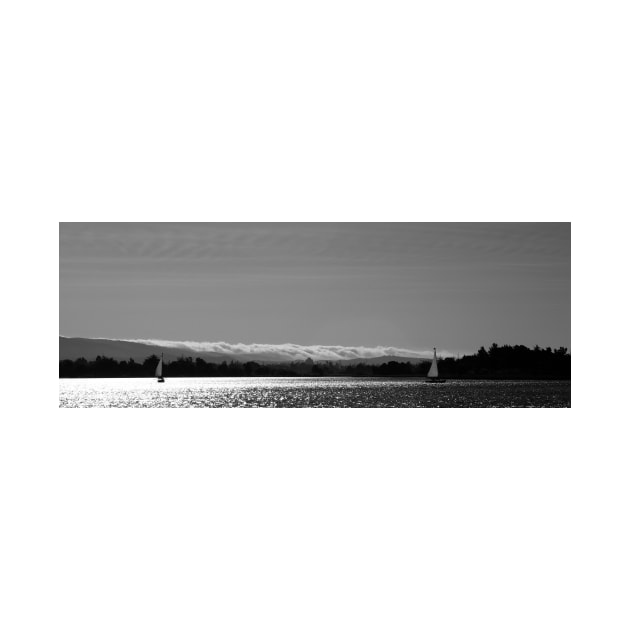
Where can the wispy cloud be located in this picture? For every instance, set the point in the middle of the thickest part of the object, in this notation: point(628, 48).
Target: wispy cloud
point(291, 351)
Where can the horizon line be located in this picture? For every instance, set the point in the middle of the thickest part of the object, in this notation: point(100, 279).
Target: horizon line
point(293, 351)
point(289, 350)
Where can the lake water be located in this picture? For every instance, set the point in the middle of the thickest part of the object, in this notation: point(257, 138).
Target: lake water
point(310, 392)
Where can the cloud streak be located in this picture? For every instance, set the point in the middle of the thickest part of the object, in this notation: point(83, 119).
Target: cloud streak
point(290, 351)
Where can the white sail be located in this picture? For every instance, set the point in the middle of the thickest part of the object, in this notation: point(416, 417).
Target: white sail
point(158, 369)
point(433, 372)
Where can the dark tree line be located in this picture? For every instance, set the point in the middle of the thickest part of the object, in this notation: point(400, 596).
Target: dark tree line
point(498, 362)
point(507, 362)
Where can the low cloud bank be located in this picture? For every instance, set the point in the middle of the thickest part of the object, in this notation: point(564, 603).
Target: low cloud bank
point(290, 351)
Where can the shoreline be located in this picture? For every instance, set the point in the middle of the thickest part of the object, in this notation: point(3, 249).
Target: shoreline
point(421, 379)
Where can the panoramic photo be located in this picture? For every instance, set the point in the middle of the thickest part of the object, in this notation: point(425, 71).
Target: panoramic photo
point(315, 315)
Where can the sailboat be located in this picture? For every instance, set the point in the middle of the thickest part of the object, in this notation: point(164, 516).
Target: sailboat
point(432, 376)
point(158, 370)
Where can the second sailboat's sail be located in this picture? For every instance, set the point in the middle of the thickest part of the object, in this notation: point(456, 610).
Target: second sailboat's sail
point(433, 372)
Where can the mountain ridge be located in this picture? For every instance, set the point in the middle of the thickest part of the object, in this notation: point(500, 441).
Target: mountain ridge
point(89, 348)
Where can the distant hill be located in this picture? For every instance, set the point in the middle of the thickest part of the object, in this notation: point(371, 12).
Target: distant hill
point(80, 347)
point(77, 347)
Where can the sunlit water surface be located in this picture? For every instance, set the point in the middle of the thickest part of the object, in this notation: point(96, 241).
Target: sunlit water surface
point(310, 392)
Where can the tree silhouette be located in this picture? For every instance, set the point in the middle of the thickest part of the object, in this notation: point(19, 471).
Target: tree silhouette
point(499, 362)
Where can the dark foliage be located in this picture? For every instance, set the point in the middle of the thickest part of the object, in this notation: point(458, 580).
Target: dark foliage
point(498, 362)
point(510, 362)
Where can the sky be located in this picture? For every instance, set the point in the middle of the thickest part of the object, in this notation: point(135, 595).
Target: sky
point(456, 286)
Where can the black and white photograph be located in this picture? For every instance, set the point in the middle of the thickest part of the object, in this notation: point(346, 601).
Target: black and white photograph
point(315, 315)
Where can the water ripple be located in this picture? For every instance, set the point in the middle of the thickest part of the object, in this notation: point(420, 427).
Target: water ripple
point(310, 392)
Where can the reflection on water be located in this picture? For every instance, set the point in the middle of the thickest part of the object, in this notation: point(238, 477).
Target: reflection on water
point(310, 392)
